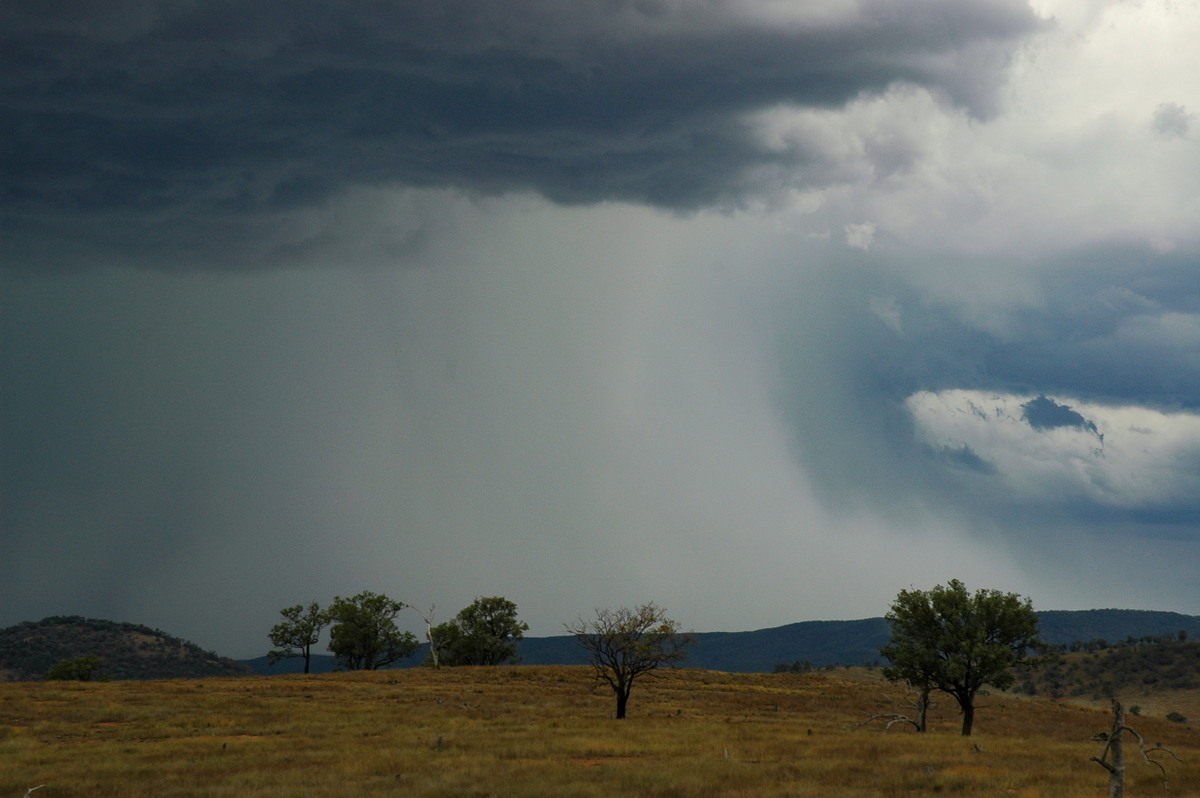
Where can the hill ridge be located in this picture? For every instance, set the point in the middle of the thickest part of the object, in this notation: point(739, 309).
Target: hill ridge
point(127, 650)
point(133, 651)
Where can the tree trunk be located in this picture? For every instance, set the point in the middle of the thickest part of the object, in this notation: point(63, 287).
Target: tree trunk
point(922, 708)
point(433, 652)
point(1114, 746)
point(622, 700)
point(1116, 770)
point(968, 712)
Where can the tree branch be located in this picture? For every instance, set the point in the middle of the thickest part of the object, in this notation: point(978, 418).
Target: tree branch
point(1147, 751)
point(892, 719)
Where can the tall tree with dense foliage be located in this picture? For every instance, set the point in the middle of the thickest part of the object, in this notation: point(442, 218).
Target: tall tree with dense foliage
point(623, 644)
point(297, 633)
point(364, 635)
point(950, 640)
point(485, 633)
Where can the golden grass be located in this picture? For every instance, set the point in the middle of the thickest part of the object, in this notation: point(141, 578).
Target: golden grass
point(544, 731)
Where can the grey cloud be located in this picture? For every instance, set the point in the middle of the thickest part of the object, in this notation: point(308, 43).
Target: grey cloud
point(966, 457)
point(1044, 413)
point(1172, 120)
point(846, 373)
point(202, 124)
point(547, 384)
point(1104, 330)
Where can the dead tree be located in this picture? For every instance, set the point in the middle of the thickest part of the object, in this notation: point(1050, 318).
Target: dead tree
point(921, 704)
point(1112, 758)
point(433, 649)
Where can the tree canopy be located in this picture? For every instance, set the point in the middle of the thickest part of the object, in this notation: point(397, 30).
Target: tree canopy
point(364, 635)
point(624, 644)
point(297, 633)
point(484, 633)
point(954, 641)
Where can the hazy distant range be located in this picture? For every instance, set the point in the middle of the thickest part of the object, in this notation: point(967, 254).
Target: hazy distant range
point(818, 643)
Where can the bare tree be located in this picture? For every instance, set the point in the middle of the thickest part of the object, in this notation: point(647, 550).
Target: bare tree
point(1112, 758)
point(920, 704)
point(433, 648)
point(625, 643)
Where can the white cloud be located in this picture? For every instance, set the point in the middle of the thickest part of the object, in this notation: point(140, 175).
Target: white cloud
point(1137, 457)
point(1088, 145)
point(888, 311)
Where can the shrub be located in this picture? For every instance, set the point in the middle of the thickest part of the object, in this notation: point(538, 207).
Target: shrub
point(80, 669)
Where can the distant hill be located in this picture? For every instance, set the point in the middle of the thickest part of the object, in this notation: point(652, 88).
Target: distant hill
point(820, 643)
point(1064, 627)
point(817, 642)
point(128, 651)
point(1139, 667)
point(1152, 677)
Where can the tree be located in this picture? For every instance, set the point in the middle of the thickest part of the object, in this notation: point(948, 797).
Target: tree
point(1114, 747)
point(434, 659)
point(364, 635)
point(485, 633)
point(623, 644)
point(920, 703)
point(949, 640)
point(297, 633)
point(80, 669)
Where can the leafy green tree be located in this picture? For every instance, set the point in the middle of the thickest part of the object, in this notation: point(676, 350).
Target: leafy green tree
point(950, 640)
point(364, 635)
point(297, 633)
point(485, 633)
point(80, 669)
point(624, 644)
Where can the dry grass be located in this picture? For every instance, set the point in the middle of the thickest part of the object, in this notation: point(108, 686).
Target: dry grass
point(543, 731)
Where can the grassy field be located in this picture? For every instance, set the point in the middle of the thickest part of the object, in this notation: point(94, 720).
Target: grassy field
point(544, 731)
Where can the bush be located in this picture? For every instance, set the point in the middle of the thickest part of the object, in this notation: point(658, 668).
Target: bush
point(1176, 717)
point(80, 669)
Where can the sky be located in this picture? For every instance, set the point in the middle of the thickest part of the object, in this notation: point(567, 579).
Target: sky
point(760, 310)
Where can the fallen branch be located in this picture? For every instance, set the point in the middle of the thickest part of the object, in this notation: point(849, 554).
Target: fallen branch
point(920, 702)
point(892, 719)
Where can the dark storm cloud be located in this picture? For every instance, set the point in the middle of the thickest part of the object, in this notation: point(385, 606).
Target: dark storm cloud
point(1044, 413)
point(193, 128)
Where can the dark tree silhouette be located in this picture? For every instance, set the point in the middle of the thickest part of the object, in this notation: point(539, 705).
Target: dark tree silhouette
point(623, 644)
